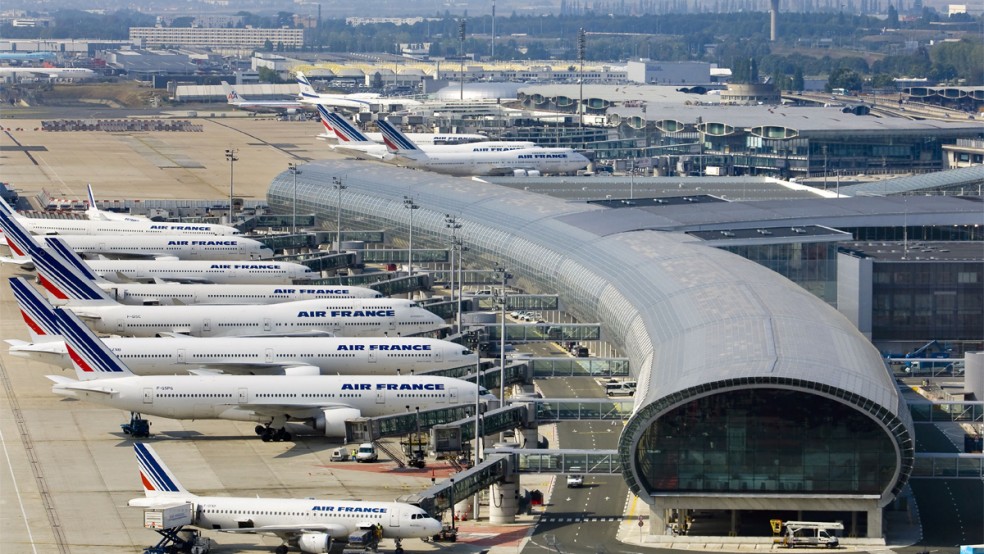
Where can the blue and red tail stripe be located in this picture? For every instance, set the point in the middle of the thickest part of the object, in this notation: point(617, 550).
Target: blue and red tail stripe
point(154, 475)
point(37, 313)
point(85, 348)
point(394, 138)
point(20, 241)
point(68, 255)
point(61, 281)
point(350, 131)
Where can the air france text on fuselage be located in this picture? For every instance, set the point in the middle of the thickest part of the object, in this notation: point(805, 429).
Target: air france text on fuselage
point(311, 291)
point(202, 243)
point(244, 266)
point(542, 156)
point(180, 227)
point(347, 313)
point(393, 386)
point(350, 509)
point(384, 347)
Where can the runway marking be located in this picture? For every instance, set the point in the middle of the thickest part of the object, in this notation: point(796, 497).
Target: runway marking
point(20, 501)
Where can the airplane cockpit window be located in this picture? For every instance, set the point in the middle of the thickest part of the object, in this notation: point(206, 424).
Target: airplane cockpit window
point(483, 391)
point(466, 352)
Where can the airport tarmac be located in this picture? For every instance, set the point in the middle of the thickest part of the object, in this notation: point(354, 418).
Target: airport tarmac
point(68, 470)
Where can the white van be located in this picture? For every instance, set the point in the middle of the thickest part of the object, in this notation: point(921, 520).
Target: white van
point(620, 389)
point(366, 453)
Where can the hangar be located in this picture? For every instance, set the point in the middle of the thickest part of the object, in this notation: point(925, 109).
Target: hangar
point(753, 393)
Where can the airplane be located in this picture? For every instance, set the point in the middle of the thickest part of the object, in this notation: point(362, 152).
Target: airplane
point(95, 214)
point(267, 106)
point(156, 247)
point(291, 356)
point(525, 161)
point(322, 403)
point(43, 226)
point(350, 138)
point(309, 524)
point(46, 72)
point(357, 102)
point(343, 317)
point(157, 294)
point(14, 56)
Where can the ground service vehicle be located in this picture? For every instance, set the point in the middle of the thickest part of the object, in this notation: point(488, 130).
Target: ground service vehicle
point(366, 453)
point(811, 533)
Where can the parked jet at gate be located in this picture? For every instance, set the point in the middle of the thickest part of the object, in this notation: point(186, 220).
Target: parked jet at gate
point(267, 106)
point(352, 102)
point(524, 161)
point(351, 139)
point(42, 226)
point(95, 214)
point(23, 244)
point(307, 524)
point(237, 355)
point(156, 247)
point(177, 294)
point(352, 317)
point(322, 402)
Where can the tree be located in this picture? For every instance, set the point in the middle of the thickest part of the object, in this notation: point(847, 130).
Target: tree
point(844, 78)
point(377, 81)
point(893, 18)
point(267, 45)
point(268, 75)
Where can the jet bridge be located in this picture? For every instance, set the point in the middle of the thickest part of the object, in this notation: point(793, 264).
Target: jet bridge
point(321, 261)
point(517, 373)
point(542, 332)
point(402, 256)
point(388, 283)
point(443, 495)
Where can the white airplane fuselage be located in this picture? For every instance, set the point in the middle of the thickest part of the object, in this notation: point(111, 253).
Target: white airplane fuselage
point(341, 317)
point(182, 247)
point(272, 355)
point(323, 401)
point(543, 160)
point(193, 271)
point(137, 294)
point(43, 226)
point(220, 512)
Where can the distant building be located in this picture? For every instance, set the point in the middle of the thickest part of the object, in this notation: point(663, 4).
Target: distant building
point(965, 153)
point(669, 73)
point(217, 37)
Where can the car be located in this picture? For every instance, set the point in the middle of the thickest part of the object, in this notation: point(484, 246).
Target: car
point(366, 453)
point(575, 480)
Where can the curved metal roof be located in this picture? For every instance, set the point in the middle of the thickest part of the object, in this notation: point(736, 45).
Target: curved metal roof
point(684, 313)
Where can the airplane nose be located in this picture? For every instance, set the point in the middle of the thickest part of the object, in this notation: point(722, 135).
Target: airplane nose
point(433, 526)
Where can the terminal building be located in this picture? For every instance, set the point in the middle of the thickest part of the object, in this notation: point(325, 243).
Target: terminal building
point(754, 394)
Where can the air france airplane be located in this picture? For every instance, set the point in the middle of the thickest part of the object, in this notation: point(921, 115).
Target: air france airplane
point(350, 138)
point(237, 355)
point(322, 402)
point(24, 246)
point(95, 214)
point(309, 525)
point(42, 226)
point(352, 317)
point(159, 247)
point(178, 294)
point(529, 161)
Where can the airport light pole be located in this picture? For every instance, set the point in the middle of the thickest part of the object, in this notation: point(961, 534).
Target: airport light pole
point(452, 224)
point(292, 167)
point(581, 43)
point(461, 250)
point(230, 155)
point(502, 333)
point(336, 183)
point(461, 56)
point(478, 384)
point(409, 204)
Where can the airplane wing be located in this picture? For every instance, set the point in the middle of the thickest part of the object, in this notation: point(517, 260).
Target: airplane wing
point(286, 532)
point(295, 411)
point(360, 153)
point(245, 368)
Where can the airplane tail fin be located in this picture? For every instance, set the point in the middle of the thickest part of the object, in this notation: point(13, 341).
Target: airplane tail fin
point(306, 90)
point(93, 212)
point(36, 311)
point(90, 356)
point(345, 131)
point(20, 241)
point(66, 278)
point(155, 476)
point(232, 97)
point(397, 142)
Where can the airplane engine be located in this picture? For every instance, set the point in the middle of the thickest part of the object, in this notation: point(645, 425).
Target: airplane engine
point(316, 543)
point(302, 371)
point(331, 422)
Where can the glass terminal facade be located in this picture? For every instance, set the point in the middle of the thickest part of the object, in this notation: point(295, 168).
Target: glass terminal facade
point(757, 440)
point(811, 265)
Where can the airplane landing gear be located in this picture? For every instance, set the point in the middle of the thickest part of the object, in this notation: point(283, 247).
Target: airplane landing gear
point(138, 428)
point(282, 549)
point(399, 547)
point(269, 434)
